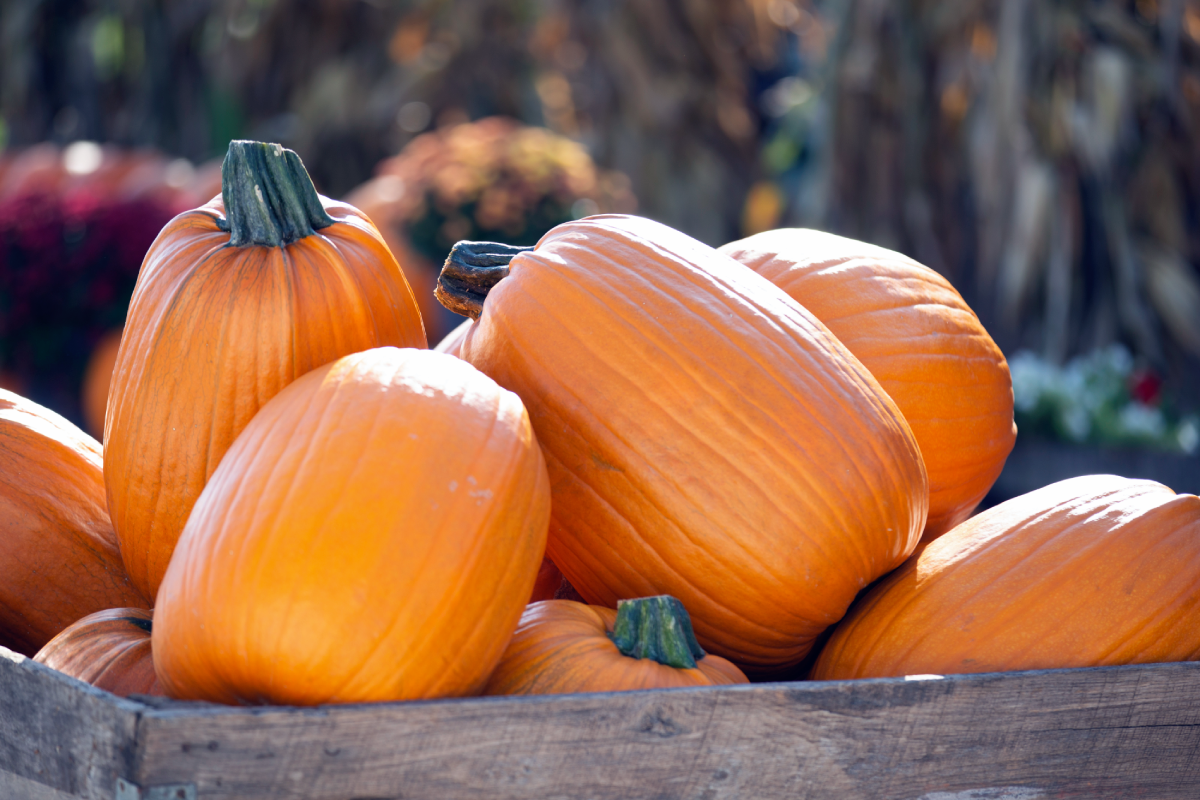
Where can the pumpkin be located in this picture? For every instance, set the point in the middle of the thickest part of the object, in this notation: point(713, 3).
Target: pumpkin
point(451, 344)
point(548, 581)
point(373, 534)
point(58, 554)
point(96, 379)
point(1092, 571)
point(706, 437)
point(109, 649)
point(235, 300)
point(561, 647)
point(917, 336)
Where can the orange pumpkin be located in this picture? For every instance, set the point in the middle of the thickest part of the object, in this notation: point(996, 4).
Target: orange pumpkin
point(234, 301)
point(561, 647)
point(1092, 571)
point(58, 554)
point(452, 343)
point(373, 534)
point(706, 436)
point(917, 336)
point(96, 380)
point(549, 579)
point(109, 649)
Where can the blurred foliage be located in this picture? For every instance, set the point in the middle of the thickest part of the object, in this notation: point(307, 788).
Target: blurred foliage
point(492, 180)
point(1042, 155)
point(495, 180)
point(664, 92)
point(74, 226)
point(1103, 397)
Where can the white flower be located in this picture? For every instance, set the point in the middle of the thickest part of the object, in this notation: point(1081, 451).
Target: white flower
point(1139, 419)
point(1188, 435)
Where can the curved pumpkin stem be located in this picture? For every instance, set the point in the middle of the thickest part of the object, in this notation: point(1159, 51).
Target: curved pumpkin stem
point(470, 271)
point(657, 628)
point(269, 198)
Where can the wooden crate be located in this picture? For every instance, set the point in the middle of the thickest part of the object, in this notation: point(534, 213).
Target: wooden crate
point(1120, 732)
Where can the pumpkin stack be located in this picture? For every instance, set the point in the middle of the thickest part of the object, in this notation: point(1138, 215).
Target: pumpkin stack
point(704, 455)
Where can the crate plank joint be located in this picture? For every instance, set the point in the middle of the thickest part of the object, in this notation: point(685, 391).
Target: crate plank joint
point(1086, 733)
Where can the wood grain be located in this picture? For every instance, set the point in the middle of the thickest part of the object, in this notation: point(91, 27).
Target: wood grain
point(59, 737)
point(1113, 732)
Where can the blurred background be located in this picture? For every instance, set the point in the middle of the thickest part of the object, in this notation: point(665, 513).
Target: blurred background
point(1041, 155)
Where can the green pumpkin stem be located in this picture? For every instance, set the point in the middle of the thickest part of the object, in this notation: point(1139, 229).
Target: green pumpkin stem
point(470, 272)
point(269, 199)
point(657, 628)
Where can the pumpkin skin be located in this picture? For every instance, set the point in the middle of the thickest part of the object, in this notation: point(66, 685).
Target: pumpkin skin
point(548, 581)
point(706, 437)
point(920, 339)
point(1091, 571)
point(451, 344)
point(214, 331)
point(373, 534)
point(58, 554)
point(109, 649)
point(562, 647)
point(96, 380)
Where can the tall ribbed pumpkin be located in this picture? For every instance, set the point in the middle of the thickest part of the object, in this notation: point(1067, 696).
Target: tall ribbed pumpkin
point(706, 437)
point(373, 534)
point(234, 301)
point(917, 336)
point(58, 554)
point(1091, 571)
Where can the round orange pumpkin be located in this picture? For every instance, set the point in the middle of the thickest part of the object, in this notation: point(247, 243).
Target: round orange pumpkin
point(561, 647)
point(109, 649)
point(1092, 571)
point(58, 554)
point(917, 336)
point(373, 534)
point(234, 301)
point(706, 437)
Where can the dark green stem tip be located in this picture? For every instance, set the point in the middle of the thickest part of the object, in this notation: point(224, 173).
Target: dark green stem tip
point(470, 272)
point(657, 628)
point(269, 198)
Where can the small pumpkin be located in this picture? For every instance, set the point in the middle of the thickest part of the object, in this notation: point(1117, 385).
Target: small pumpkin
point(235, 300)
point(561, 647)
point(917, 336)
point(109, 649)
point(373, 534)
point(706, 437)
point(58, 554)
point(1092, 571)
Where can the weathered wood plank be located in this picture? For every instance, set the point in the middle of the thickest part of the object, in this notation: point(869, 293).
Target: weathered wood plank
point(1115, 732)
point(60, 738)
